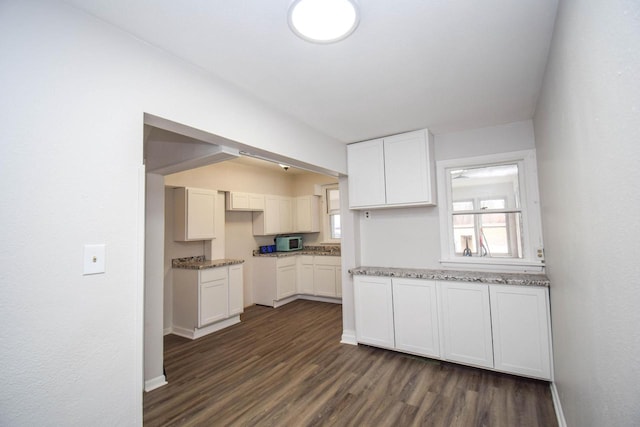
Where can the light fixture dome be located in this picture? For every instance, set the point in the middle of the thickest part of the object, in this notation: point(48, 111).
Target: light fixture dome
point(323, 21)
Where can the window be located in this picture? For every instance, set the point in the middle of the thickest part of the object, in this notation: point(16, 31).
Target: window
point(489, 212)
point(332, 222)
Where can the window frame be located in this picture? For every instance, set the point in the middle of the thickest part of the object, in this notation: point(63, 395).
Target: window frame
point(326, 215)
point(532, 249)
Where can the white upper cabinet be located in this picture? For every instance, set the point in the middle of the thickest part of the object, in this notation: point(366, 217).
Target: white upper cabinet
point(194, 214)
point(237, 201)
point(365, 162)
point(307, 214)
point(393, 171)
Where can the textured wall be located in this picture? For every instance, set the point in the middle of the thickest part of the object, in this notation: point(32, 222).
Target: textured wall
point(587, 129)
point(74, 92)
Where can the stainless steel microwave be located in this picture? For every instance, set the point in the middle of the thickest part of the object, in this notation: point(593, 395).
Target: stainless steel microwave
point(288, 243)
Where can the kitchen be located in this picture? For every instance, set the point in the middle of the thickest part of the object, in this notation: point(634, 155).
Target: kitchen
point(236, 237)
point(77, 86)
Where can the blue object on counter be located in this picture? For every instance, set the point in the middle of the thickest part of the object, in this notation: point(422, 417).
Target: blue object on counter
point(267, 249)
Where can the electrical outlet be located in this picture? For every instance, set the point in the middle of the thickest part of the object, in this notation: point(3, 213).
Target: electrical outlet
point(367, 214)
point(93, 259)
point(540, 253)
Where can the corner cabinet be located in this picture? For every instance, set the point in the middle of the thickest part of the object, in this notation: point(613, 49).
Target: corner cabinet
point(394, 171)
point(274, 279)
point(194, 214)
point(207, 300)
point(521, 330)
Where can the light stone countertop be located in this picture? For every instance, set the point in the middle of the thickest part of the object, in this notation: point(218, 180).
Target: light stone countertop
point(520, 279)
point(323, 250)
point(199, 263)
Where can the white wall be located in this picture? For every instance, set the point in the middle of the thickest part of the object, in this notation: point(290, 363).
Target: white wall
point(587, 129)
point(410, 237)
point(74, 91)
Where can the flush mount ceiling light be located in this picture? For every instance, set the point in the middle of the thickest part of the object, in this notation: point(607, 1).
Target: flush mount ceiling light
point(323, 21)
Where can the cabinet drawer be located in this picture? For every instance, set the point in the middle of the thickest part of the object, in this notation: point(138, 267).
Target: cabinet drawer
point(212, 274)
point(327, 260)
point(286, 261)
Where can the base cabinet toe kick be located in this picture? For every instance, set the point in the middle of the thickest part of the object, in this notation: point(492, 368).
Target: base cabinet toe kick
point(500, 327)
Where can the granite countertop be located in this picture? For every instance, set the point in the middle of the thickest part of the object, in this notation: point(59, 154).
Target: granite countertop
point(326, 250)
point(521, 279)
point(199, 263)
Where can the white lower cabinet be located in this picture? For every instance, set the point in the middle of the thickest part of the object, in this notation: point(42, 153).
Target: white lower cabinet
point(327, 276)
point(521, 330)
point(236, 291)
point(466, 323)
point(305, 271)
point(207, 300)
point(374, 311)
point(286, 277)
point(500, 327)
point(415, 315)
point(277, 279)
point(213, 296)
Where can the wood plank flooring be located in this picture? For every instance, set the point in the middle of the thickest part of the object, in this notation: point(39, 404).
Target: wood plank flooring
point(286, 367)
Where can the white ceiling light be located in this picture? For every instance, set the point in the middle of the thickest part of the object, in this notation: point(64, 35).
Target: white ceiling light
point(323, 21)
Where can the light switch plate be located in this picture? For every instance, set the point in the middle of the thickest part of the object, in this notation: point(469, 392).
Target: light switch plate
point(93, 259)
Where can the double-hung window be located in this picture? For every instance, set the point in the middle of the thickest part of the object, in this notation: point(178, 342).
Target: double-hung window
point(333, 230)
point(490, 212)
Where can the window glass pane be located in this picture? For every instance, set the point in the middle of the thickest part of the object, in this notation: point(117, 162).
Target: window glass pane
point(491, 184)
point(466, 205)
point(335, 226)
point(497, 235)
point(333, 199)
point(493, 204)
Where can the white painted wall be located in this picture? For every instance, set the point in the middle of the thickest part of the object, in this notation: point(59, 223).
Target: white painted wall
point(410, 237)
point(587, 128)
point(74, 91)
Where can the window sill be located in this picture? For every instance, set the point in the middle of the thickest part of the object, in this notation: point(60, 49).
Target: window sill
point(478, 264)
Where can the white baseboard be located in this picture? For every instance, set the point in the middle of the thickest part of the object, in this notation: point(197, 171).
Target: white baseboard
point(321, 299)
point(155, 383)
point(193, 334)
point(349, 337)
point(558, 406)
point(167, 331)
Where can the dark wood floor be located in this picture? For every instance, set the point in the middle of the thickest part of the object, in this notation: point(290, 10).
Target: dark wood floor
point(286, 367)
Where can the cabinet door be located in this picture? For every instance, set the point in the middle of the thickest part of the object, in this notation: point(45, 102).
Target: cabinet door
point(201, 206)
point(466, 323)
point(256, 202)
point(365, 162)
point(324, 279)
point(237, 201)
point(520, 320)
point(236, 291)
point(214, 300)
point(306, 214)
point(271, 215)
point(305, 282)
point(374, 311)
point(407, 168)
point(415, 315)
point(285, 213)
point(286, 277)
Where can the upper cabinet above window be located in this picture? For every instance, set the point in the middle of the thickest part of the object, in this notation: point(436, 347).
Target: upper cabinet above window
point(394, 171)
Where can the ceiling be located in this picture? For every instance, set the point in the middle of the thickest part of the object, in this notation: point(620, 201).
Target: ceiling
point(447, 65)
